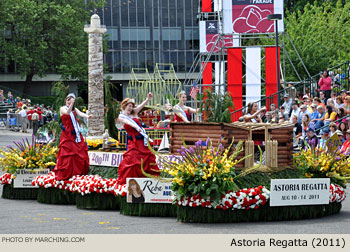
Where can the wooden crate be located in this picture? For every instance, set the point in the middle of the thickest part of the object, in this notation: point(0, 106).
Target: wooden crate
point(217, 132)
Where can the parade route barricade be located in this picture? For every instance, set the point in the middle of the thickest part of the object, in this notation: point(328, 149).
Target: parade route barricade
point(10, 121)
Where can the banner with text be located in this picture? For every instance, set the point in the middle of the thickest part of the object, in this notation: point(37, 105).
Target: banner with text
point(25, 177)
point(148, 190)
point(114, 159)
point(293, 192)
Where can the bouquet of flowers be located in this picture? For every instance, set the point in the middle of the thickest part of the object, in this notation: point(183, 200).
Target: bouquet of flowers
point(97, 143)
point(25, 155)
point(206, 171)
point(321, 163)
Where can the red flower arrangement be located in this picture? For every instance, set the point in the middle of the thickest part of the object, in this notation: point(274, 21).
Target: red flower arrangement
point(82, 184)
point(6, 178)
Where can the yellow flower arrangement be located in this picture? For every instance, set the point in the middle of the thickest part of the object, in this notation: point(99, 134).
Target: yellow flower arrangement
point(203, 170)
point(319, 163)
point(97, 143)
point(27, 156)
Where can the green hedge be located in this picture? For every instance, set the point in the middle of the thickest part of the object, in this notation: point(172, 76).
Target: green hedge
point(8, 192)
point(264, 213)
point(103, 171)
point(256, 179)
point(147, 209)
point(97, 201)
point(55, 196)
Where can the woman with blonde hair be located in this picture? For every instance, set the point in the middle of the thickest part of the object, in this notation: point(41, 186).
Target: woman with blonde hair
point(137, 149)
point(135, 193)
point(347, 104)
point(185, 112)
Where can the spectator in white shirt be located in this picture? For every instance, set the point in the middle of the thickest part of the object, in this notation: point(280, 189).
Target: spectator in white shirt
point(23, 114)
point(287, 103)
point(295, 111)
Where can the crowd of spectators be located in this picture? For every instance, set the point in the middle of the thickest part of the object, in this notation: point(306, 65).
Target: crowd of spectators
point(21, 112)
point(316, 118)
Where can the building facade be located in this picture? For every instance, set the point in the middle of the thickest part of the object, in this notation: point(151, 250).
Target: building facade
point(145, 32)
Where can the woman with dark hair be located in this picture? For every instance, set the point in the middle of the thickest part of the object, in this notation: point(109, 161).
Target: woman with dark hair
point(340, 114)
point(137, 151)
point(325, 84)
point(72, 157)
point(329, 117)
point(253, 113)
point(135, 193)
point(343, 127)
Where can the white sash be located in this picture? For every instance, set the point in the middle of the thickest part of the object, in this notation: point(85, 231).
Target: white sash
point(177, 106)
point(76, 127)
point(143, 131)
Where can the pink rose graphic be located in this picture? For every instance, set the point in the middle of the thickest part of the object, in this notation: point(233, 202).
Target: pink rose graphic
point(253, 19)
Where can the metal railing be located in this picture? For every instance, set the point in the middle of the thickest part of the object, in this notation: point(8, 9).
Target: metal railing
point(306, 87)
point(336, 121)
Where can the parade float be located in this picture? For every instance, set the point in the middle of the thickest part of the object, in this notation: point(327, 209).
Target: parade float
point(21, 163)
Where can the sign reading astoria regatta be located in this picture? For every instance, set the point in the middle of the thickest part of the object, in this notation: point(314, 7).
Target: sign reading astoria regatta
point(288, 192)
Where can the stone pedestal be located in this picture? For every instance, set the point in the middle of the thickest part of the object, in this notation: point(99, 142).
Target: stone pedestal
point(96, 88)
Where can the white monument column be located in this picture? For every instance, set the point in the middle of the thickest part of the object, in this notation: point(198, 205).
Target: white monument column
point(96, 87)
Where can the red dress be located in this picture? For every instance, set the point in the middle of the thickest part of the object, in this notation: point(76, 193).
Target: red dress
point(72, 157)
point(130, 167)
point(179, 119)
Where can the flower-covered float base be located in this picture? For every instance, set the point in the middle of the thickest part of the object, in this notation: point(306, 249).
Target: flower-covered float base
point(97, 201)
point(264, 213)
point(251, 204)
point(86, 191)
point(55, 196)
point(147, 209)
point(8, 192)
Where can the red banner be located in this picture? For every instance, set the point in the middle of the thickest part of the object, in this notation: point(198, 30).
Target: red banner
point(206, 6)
point(271, 74)
point(234, 79)
point(207, 79)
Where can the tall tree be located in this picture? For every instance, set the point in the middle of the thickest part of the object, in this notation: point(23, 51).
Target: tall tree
point(45, 36)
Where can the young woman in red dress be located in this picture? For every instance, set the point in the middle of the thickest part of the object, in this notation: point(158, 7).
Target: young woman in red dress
point(72, 157)
point(185, 112)
point(130, 167)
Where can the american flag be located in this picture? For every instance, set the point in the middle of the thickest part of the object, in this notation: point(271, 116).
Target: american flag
point(194, 90)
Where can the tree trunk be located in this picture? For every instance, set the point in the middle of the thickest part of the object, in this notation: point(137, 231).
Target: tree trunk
point(27, 84)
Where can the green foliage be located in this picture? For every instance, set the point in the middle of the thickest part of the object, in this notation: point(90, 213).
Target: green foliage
point(103, 171)
point(216, 106)
point(264, 213)
point(60, 91)
point(42, 36)
point(321, 34)
point(8, 192)
point(113, 110)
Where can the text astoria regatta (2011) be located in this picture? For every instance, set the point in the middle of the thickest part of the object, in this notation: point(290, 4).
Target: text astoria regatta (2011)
point(271, 243)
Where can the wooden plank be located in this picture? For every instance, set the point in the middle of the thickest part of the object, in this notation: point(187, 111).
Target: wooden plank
point(195, 127)
point(199, 133)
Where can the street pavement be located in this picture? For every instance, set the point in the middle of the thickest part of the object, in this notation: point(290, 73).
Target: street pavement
point(31, 217)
